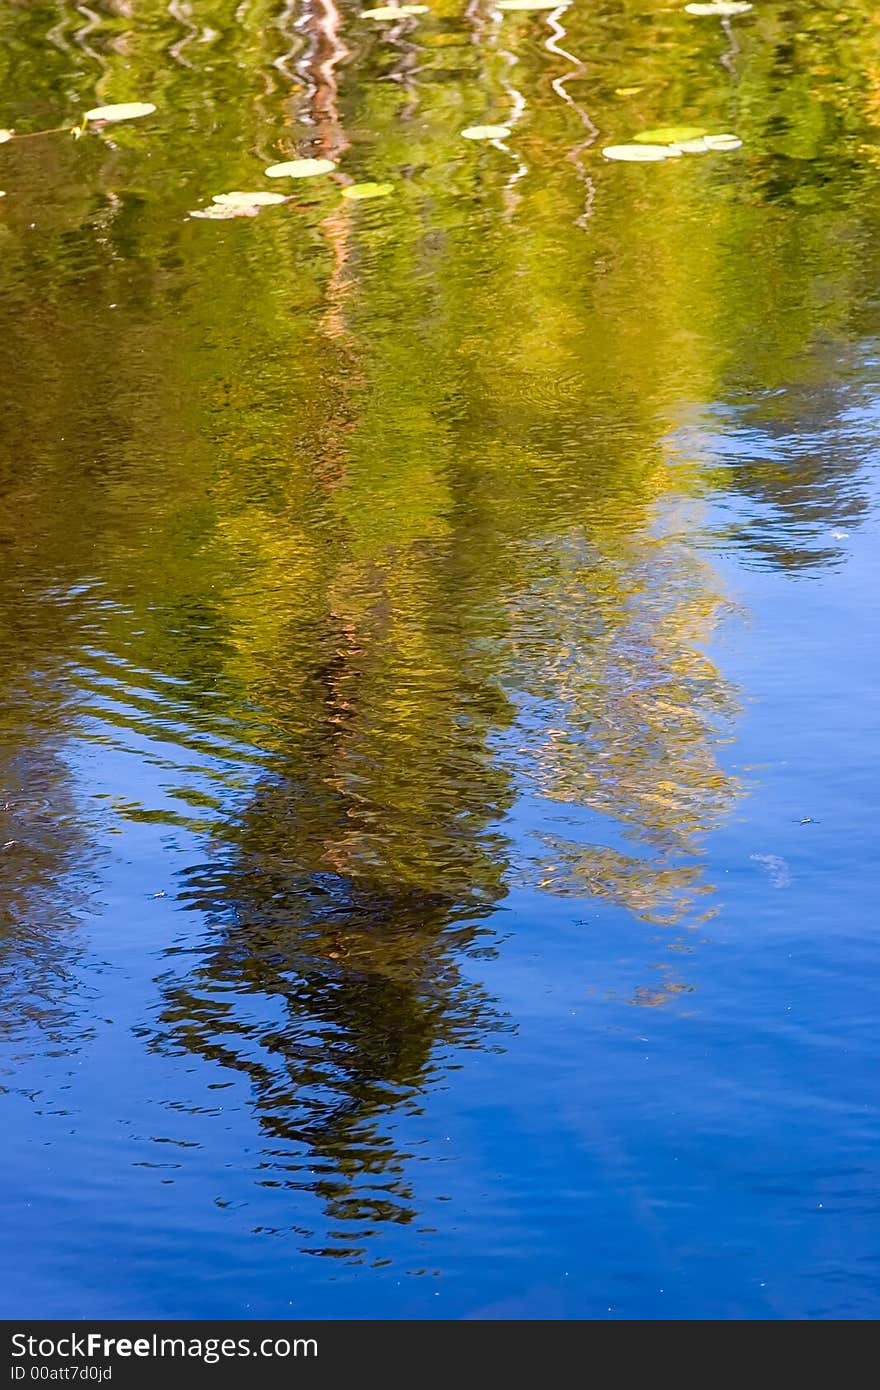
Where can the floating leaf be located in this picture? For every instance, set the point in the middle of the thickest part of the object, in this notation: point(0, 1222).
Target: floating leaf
point(531, 4)
point(6, 135)
point(367, 190)
point(721, 9)
point(697, 146)
point(486, 132)
point(128, 111)
point(638, 154)
point(393, 11)
point(301, 168)
point(219, 212)
point(723, 142)
point(687, 142)
point(669, 135)
point(249, 200)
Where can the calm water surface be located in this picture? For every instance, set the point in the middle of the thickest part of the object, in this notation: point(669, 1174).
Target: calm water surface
point(439, 739)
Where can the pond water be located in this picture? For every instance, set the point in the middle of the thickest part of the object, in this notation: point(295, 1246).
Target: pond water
point(439, 743)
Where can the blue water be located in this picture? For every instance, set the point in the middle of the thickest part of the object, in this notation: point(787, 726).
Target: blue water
point(710, 1154)
point(439, 739)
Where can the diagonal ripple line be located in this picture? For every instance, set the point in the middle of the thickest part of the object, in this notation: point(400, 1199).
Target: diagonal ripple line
point(558, 84)
point(518, 106)
point(181, 12)
point(57, 35)
point(728, 58)
point(80, 36)
point(288, 27)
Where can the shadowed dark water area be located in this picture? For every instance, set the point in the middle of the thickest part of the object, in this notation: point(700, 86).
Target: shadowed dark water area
point(439, 743)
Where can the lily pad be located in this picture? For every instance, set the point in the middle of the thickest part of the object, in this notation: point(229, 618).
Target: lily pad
point(723, 142)
point(669, 135)
point(697, 146)
point(126, 111)
point(486, 132)
point(721, 9)
point(249, 200)
point(531, 4)
point(367, 190)
point(218, 212)
point(393, 11)
point(301, 168)
point(637, 154)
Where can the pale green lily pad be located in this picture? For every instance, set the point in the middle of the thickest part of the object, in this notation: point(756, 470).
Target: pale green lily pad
point(219, 212)
point(486, 132)
point(721, 9)
point(723, 142)
point(638, 154)
point(705, 144)
point(531, 4)
point(249, 200)
point(367, 190)
point(301, 168)
point(689, 147)
point(393, 11)
point(126, 111)
point(670, 135)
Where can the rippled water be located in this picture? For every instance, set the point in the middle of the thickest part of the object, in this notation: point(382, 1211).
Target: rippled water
point(439, 737)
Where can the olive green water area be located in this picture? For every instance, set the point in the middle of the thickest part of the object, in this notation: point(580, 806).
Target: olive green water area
point(365, 570)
